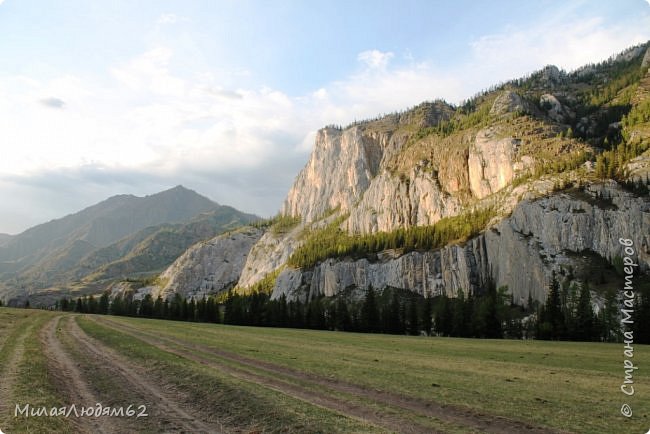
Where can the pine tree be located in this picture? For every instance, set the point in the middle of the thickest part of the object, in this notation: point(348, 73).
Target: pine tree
point(104, 304)
point(394, 322)
point(146, 306)
point(641, 315)
point(584, 323)
point(117, 306)
point(470, 307)
point(158, 311)
point(166, 309)
point(414, 319)
point(191, 310)
point(443, 321)
point(201, 314)
point(493, 329)
point(212, 311)
point(370, 312)
point(459, 320)
point(317, 315)
point(343, 321)
point(427, 312)
point(554, 316)
point(92, 305)
point(530, 305)
point(184, 310)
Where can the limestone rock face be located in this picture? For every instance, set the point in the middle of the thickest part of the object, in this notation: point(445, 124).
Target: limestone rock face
point(337, 174)
point(268, 254)
point(508, 102)
point(639, 167)
point(345, 163)
point(631, 53)
point(398, 172)
point(209, 267)
point(522, 251)
point(491, 163)
point(554, 109)
point(390, 203)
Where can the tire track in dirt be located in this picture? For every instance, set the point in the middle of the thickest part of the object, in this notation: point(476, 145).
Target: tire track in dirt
point(456, 415)
point(9, 372)
point(69, 381)
point(169, 407)
point(341, 406)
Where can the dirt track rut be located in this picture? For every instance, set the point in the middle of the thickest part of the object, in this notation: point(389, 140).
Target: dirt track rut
point(451, 414)
point(178, 418)
point(9, 372)
point(70, 383)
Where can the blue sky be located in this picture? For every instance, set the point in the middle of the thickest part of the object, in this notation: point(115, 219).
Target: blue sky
point(102, 98)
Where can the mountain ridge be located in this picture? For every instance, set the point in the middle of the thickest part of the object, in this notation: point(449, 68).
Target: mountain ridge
point(556, 164)
point(112, 233)
point(513, 144)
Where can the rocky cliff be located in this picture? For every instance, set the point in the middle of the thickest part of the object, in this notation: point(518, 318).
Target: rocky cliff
point(209, 267)
point(338, 172)
point(345, 161)
point(534, 154)
point(513, 149)
point(382, 179)
point(552, 234)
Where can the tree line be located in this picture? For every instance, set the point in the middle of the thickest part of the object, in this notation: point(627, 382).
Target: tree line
point(333, 242)
point(206, 309)
point(567, 313)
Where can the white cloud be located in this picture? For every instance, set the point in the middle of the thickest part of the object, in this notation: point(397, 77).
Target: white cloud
point(151, 121)
point(170, 19)
point(150, 72)
point(151, 124)
point(568, 45)
point(167, 19)
point(375, 59)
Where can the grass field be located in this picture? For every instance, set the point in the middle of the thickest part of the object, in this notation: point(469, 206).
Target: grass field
point(214, 378)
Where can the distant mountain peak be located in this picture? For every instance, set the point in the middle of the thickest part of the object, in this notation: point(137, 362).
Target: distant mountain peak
point(178, 189)
point(181, 192)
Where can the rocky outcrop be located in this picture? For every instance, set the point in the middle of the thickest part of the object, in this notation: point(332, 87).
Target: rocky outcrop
point(345, 161)
point(522, 251)
point(209, 267)
point(395, 172)
point(639, 168)
point(348, 158)
point(492, 162)
point(390, 203)
point(509, 102)
point(554, 109)
point(268, 254)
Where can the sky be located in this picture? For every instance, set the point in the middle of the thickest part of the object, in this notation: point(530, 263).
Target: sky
point(99, 98)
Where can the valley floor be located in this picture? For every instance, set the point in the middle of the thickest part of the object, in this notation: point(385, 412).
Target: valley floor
point(214, 378)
